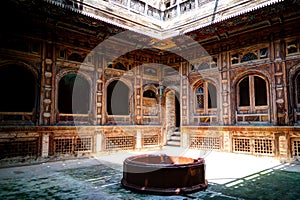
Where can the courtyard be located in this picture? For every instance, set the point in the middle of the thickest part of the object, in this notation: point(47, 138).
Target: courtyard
point(230, 176)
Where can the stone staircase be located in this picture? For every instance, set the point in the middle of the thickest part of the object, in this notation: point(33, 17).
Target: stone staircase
point(174, 139)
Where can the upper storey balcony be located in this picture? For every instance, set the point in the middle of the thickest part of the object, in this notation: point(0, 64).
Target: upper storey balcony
point(162, 19)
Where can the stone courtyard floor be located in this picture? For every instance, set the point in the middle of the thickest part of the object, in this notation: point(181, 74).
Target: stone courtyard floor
point(230, 176)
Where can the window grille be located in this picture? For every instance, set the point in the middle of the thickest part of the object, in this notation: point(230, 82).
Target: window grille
point(241, 145)
point(83, 144)
point(296, 148)
point(19, 148)
point(199, 142)
point(72, 145)
point(120, 142)
point(150, 140)
point(263, 146)
point(63, 145)
point(200, 97)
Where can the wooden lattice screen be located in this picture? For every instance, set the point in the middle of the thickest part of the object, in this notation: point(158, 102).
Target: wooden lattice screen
point(72, 144)
point(25, 148)
point(119, 142)
point(259, 146)
point(200, 142)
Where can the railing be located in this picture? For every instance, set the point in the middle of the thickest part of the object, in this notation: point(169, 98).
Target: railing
point(247, 117)
point(205, 119)
point(16, 117)
point(118, 119)
point(160, 12)
point(150, 120)
point(65, 118)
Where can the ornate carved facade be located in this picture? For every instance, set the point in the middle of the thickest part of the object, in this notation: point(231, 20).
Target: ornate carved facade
point(73, 83)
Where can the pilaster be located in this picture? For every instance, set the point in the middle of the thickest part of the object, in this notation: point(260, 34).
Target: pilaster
point(138, 94)
point(185, 95)
point(47, 97)
point(99, 89)
point(225, 89)
point(281, 103)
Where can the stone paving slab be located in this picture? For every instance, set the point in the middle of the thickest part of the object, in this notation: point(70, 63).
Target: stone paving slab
point(99, 177)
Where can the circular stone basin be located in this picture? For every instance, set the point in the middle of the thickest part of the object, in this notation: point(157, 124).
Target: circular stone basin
point(162, 174)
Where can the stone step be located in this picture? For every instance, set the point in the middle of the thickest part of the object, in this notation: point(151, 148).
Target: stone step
point(173, 143)
point(175, 137)
point(176, 133)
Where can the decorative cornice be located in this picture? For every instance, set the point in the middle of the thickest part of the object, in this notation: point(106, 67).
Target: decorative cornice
point(127, 18)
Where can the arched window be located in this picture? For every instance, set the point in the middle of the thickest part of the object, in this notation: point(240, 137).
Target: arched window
point(149, 94)
point(252, 100)
point(76, 57)
point(150, 103)
point(297, 97)
point(73, 95)
point(120, 66)
point(248, 57)
point(297, 83)
point(212, 96)
point(244, 92)
point(206, 96)
point(205, 103)
point(252, 91)
point(117, 98)
point(17, 89)
point(200, 97)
